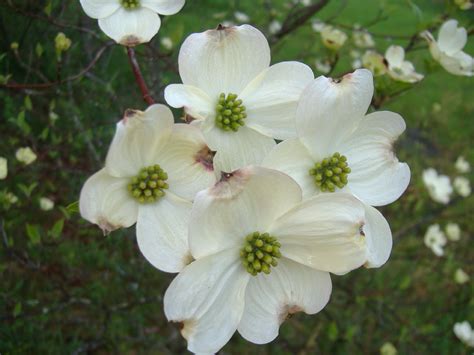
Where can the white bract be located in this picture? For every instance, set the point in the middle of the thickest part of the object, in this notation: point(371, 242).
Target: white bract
point(399, 68)
point(240, 102)
point(274, 27)
point(339, 147)
point(435, 239)
point(25, 155)
point(152, 172)
point(464, 4)
point(453, 232)
point(262, 254)
point(362, 39)
point(130, 22)
point(375, 62)
point(388, 349)
point(461, 277)
point(462, 185)
point(464, 332)
point(462, 165)
point(3, 168)
point(333, 38)
point(439, 186)
point(241, 16)
point(448, 49)
point(323, 66)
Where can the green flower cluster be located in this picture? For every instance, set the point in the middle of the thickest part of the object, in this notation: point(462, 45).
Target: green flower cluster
point(230, 113)
point(260, 253)
point(149, 185)
point(331, 172)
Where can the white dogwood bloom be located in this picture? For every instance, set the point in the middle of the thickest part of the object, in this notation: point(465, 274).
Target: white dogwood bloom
point(400, 69)
point(130, 22)
point(453, 231)
point(152, 171)
point(262, 254)
point(462, 185)
point(339, 147)
point(3, 168)
point(333, 38)
point(462, 165)
point(25, 155)
point(461, 277)
point(465, 333)
point(448, 49)
point(46, 204)
point(388, 349)
point(239, 101)
point(375, 62)
point(464, 4)
point(439, 186)
point(362, 39)
point(435, 239)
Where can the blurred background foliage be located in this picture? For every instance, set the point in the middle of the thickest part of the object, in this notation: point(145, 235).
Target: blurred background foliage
point(66, 288)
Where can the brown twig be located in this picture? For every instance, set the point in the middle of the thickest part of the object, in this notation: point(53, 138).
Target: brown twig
point(139, 77)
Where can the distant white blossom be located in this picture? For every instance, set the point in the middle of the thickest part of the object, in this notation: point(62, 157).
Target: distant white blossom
point(448, 49)
point(388, 349)
point(464, 332)
point(3, 168)
point(461, 277)
point(363, 39)
point(375, 62)
point(435, 239)
point(462, 186)
point(274, 27)
point(453, 232)
point(25, 155)
point(323, 66)
point(241, 16)
point(462, 165)
point(46, 204)
point(318, 25)
point(464, 4)
point(439, 186)
point(167, 43)
point(400, 69)
point(333, 38)
point(11, 198)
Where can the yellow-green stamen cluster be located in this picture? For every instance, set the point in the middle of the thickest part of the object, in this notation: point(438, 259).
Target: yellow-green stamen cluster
point(260, 253)
point(149, 185)
point(230, 113)
point(130, 4)
point(331, 172)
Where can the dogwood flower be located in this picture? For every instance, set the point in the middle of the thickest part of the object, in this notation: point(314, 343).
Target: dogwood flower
point(25, 155)
point(453, 232)
point(323, 66)
point(362, 39)
point(3, 168)
point(448, 49)
point(375, 62)
point(240, 103)
point(400, 69)
point(464, 4)
point(465, 333)
point(435, 239)
point(46, 204)
point(388, 349)
point(462, 186)
point(461, 277)
point(130, 22)
point(339, 147)
point(462, 165)
point(262, 254)
point(439, 186)
point(152, 171)
point(241, 16)
point(274, 27)
point(332, 37)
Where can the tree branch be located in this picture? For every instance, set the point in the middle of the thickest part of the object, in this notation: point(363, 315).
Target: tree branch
point(139, 77)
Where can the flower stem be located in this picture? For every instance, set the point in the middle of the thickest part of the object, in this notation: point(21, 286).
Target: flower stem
point(139, 77)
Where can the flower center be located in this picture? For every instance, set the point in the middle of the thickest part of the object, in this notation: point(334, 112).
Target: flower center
point(149, 185)
point(230, 113)
point(331, 172)
point(130, 4)
point(260, 253)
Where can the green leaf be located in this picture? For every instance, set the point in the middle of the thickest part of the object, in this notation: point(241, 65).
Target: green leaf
point(57, 229)
point(17, 310)
point(333, 332)
point(28, 104)
point(27, 190)
point(48, 8)
point(73, 207)
point(39, 50)
point(33, 233)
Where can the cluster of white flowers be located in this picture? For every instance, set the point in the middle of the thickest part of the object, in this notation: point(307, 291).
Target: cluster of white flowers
point(254, 228)
point(465, 333)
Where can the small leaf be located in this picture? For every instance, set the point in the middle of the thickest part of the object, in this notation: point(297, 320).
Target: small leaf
point(33, 234)
point(17, 310)
point(73, 207)
point(57, 229)
point(28, 104)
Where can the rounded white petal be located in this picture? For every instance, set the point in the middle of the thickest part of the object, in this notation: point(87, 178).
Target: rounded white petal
point(378, 236)
point(163, 7)
point(247, 201)
point(162, 232)
point(395, 56)
point(188, 162)
point(324, 233)
point(208, 298)
point(100, 8)
point(458, 64)
point(452, 39)
point(377, 177)
point(223, 60)
point(138, 139)
point(235, 150)
point(131, 27)
point(330, 109)
point(195, 101)
point(269, 299)
point(106, 202)
point(293, 158)
point(3, 168)
point(272, 97)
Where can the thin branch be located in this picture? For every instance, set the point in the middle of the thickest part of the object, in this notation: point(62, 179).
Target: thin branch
point(139, 77)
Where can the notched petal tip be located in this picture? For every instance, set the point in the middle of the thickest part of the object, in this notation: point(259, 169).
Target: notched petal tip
point(288, 311)
point(130, 41)
point(230, 184)
point(129, 113)
point(205, 157)
point(106, 226)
